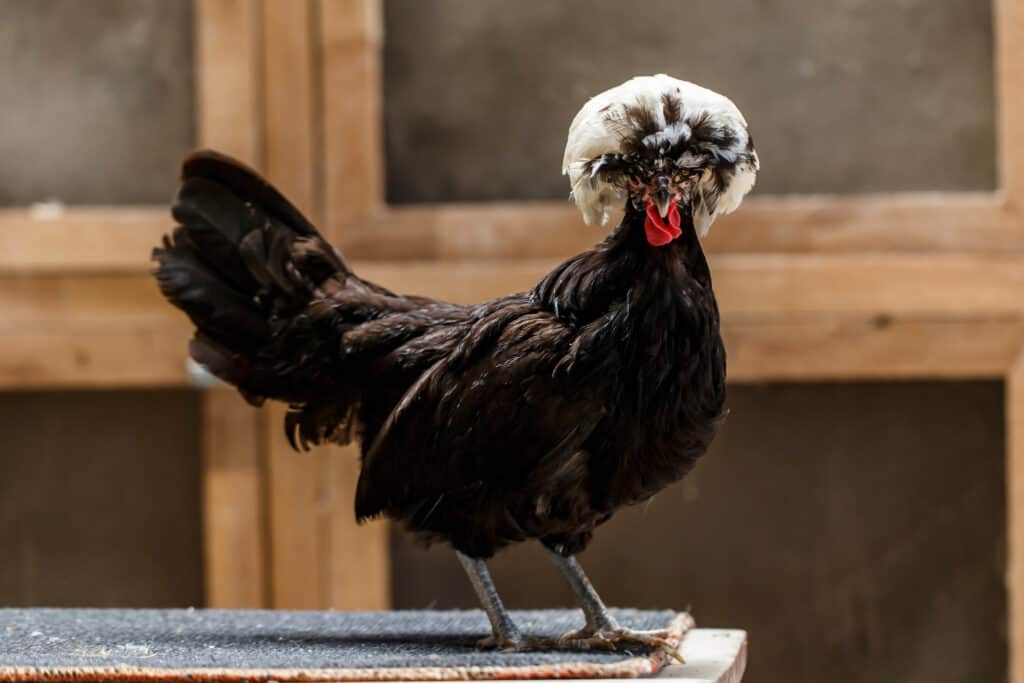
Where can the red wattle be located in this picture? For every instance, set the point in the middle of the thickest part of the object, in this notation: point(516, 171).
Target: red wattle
point(658, 232)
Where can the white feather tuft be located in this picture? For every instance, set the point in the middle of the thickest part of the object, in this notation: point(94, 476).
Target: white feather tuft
point(593, 132)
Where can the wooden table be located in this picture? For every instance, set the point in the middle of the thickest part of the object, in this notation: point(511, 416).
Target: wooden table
point(712, 655)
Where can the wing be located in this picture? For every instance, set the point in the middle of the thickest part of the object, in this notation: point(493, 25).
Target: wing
point(499, 408)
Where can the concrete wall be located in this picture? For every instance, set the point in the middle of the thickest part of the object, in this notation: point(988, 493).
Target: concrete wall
point(841, 95)
point(97, 100)
point(99, 499)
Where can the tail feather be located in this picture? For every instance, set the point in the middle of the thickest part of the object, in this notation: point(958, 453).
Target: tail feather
point(243, 264)
point(248, 185)
point(215, 306)
point(271, 300)
point(216, 221)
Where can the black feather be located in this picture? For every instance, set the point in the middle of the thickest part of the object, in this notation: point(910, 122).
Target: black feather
point(535, 415)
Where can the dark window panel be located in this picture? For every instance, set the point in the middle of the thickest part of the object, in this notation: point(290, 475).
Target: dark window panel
point(98, 100)
point(99, 499)
point(844, 96)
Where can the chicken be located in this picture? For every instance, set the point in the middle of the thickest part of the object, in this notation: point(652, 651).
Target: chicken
point(533, 416)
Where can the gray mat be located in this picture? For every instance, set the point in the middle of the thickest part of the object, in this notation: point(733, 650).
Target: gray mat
point(75, 644)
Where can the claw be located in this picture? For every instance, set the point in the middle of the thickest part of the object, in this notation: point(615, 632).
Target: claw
point(612, 638)
point(508, 643)
point(580, 634)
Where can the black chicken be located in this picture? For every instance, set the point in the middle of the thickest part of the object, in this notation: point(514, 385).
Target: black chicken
point(533, 416)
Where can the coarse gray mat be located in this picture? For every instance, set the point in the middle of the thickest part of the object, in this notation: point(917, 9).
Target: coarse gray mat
point(262, 645)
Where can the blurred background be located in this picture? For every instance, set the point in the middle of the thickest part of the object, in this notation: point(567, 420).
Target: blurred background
point(852, 514)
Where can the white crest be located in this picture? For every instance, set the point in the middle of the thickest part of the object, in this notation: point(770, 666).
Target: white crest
point(597, 130)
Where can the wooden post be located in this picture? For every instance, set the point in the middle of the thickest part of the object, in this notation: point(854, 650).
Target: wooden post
point(235, 529)
point(298, 521)
point(299, 518)
point(1015, 516)
point(353, 139)
point(228, 74)
point(229, 119)
point(357, 560)
point(1008, 21)
point(291, 89)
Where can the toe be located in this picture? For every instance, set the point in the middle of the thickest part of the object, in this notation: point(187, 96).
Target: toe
point(506, 643)
point(622, 637)
point(488, 643)
point(579, 634)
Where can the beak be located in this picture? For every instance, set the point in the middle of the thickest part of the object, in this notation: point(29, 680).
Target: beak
point(662, 199)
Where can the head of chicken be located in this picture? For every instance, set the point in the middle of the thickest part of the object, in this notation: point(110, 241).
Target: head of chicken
point(669, 148)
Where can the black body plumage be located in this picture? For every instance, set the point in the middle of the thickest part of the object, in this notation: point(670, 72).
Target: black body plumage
point(536, 415)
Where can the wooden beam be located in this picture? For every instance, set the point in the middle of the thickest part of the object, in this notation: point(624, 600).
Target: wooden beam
point(876, 223)
point(935, 285)
point(107, 239)
point(353, 140)
point(906, 222)
point(938, 285)
point(229, 77)
point(857, 347)
point(298, 485)
point(804, 348)
point(927, 310)
point(93, 356)
point(1015, 516)
point(235, 525)
point(55, 239)
point(1009, 29)
point(108, 301)
point(932, 285)
point(292, 135)
point(458, 281)
point(350, 42)
point(355, 580)
point(299, 495)
point(1008, 22)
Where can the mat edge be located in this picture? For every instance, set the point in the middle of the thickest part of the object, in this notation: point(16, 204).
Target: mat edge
point(633, 667)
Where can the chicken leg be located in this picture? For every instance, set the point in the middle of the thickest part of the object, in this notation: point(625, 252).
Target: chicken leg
point(505, 634)
point(601, 631)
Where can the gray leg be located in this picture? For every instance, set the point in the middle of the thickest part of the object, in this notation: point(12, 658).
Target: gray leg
point(598, 618)
point(505, 634)
point(601, 630)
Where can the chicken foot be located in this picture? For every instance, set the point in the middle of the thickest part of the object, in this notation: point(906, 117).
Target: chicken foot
point(602, 630)
point(505, 635)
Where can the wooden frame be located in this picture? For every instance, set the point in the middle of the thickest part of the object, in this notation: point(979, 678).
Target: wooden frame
point(811, 288)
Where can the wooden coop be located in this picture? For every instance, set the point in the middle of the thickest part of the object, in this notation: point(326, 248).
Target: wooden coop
point(881, 287)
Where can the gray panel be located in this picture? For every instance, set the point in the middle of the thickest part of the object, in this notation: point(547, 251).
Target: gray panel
point(98, 102)
point(852, 529)
point(842, 95)
point(99, 499)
